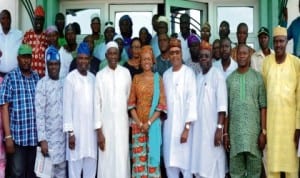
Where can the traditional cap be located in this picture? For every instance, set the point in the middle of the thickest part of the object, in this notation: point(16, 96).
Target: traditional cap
point(205, 45)
point(126, 17)
point(163, 19)
point(279, 31)
point(148, 49)
point(118, 36)
point(39, 11)
point(206, 25)
point(174, 42)
point(84, 49)
point(108, 24)
point(52, 54)
point(94, 17)
point(24, 49)
point(111, 44)
point(51, 29)
point(193, 39)
point(263, 30)
point(70, 27)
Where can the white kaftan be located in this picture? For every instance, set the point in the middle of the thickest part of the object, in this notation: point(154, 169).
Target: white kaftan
point(208, 160)
point(112, 90)
point(232, 67)
point(180, 88)
point(65, 61)
point(79, 114)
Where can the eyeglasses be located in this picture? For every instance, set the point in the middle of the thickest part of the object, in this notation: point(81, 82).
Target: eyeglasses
point(108, 23)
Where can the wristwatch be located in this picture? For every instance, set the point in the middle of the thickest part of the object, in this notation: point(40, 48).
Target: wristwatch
point(264, 131)
point(220, 126)
point(187, 126)
point(71, 133)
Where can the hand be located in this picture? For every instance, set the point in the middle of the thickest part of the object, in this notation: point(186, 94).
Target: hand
point(226, 142)
point(72, 142)
point(145, 127)
point(44, 147)
point(296, 137)
point(101, 140)
point(218, 137)
point(9, 146)
point(262, 140)
point(184, 136)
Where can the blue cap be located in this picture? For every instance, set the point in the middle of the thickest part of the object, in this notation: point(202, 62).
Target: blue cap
point(52, 54)
point(84, 49)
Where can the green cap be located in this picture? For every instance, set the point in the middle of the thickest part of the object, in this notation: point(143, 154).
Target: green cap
point(25, 49)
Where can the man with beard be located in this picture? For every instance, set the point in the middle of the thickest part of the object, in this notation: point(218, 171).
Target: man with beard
point(10, 42)
point(18, 114)
point(281, 73)
point(36, 38)
point(193, 61)
point(208, 154)
point(78, 114)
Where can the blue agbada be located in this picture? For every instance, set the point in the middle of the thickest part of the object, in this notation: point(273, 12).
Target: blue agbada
point(83, 49)
point(52, 54)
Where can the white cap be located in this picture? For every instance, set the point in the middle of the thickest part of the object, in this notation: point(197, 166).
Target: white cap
point(111, 44)
point(117, 36)
point(163, 19)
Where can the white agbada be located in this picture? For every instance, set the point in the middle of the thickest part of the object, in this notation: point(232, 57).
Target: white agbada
point(112, 90)
point(208, 160)
point(65, 61)
point(79, 114)
point(180, 87)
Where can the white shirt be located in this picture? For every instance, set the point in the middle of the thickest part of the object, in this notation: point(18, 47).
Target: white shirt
point(65, 61)
point(78, 100)
point(112, 90)
point(155, 46)
point(232, 67)
point(9, 46)
point(180, 88)
point(257, 60)
point(184, 48)
point(207, 159)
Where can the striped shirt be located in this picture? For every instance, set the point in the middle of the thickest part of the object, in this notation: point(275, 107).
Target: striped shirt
point(19, 91)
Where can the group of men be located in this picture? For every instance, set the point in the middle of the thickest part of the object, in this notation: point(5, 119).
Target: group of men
point(235, 102)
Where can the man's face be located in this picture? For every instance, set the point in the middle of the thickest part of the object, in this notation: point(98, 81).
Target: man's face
point(125, 27)
point(280, 43)
point(96, 26)
point(52, 38)
point(60, 23)
point(185, 25)
point(5, 21)
point(163, 43)
point(242, 34)
point(155, 23)
point(194, 50)
point(53, 69)
point(70, 37)
point(38, 24)
point(243, 55)
point(205, 59)
point(90, 41)
point(24, 62)
point(83, 62)
point(162, 28)
point(175, 57)
point(216, 50)
point(223, 30)
point(225, 49)
point(112, 56)
point(263, 40)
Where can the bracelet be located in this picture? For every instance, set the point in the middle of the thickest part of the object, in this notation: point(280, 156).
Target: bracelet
point(7, 137)
point(71, 133)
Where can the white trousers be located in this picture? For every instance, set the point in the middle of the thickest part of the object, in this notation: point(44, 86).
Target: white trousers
point(86, 165)
point(173, 172)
